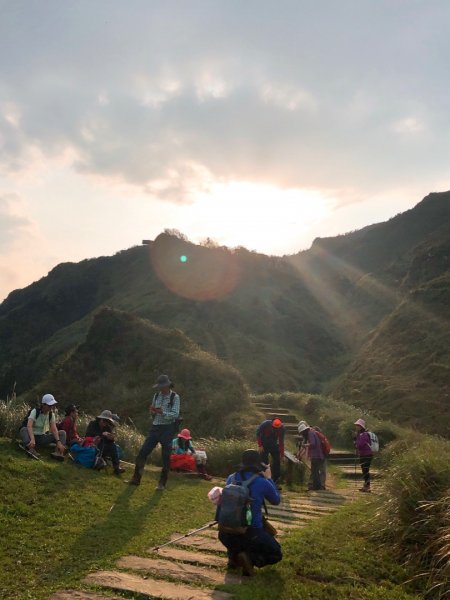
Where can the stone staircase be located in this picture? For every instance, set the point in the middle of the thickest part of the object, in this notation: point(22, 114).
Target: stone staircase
point(192, 567)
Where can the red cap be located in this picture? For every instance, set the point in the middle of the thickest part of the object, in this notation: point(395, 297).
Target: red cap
point(277, 423)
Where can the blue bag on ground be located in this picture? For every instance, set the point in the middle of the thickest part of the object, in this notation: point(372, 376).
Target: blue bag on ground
point(84, 456)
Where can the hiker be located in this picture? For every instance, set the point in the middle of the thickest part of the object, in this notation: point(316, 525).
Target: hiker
point(311, 445)
point(270, 438)
point(39, 429)
point(69, 425)
point(165, 409)
point(102, 430)
point(256, 547)
point(182, 448)
point(364, 449)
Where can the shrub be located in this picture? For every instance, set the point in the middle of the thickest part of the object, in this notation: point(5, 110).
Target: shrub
point(414, 516)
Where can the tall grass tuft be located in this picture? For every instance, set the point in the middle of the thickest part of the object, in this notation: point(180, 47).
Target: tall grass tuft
point(414, 516)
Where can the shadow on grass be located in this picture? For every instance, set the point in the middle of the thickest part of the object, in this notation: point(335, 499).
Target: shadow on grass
point(107, 538)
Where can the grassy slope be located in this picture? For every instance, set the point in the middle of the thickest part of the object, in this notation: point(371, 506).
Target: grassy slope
point(122, 356)
point(58, 522)
point(333, 559)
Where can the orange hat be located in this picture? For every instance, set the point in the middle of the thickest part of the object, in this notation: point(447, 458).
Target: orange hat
point(277, 423)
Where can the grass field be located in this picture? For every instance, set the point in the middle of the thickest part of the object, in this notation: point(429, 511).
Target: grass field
point(59, 521)
point(334, 559)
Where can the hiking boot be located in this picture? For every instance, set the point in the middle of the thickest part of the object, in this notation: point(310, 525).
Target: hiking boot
point(134, 481)
point(57, 456)
point(206, 477)
point(365, 488)
point(160, 487)
point(118, 470)
point(243, 560)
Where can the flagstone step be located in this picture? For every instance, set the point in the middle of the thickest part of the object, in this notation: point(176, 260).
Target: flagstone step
point(180, 571)
point(152, 588)
point(201, 543)
point(191, 556)
point(76, 595)
point(296, 516)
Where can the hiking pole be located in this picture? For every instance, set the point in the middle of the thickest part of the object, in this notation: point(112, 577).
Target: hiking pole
point(182, 537)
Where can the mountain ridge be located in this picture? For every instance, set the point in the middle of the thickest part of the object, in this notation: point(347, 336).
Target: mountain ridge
point(301, 322)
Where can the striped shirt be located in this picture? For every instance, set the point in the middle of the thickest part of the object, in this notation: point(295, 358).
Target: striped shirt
point(169, 413)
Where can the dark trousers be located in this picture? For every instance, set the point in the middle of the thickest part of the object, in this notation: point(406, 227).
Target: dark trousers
point(365, 462)
point(262, 548)
point(159, 434)
point(274, 452)
point(108, 449)
point(318, 474)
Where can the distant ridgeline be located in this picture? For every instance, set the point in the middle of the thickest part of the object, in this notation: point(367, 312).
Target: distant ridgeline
point(364, 316)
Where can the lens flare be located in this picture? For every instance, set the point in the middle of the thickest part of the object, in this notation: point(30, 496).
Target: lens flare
point(209, 274)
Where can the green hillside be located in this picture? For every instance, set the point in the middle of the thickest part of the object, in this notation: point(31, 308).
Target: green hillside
point(258, 315)
point(362, 315)
point(121, 358)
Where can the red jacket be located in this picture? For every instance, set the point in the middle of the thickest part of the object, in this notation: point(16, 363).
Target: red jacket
point(70, 427)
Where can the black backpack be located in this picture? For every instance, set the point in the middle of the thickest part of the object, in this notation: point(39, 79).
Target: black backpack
point(38, 412)
point(179, 421)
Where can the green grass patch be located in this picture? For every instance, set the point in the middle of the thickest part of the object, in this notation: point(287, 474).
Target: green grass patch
point(60, 521)
point(333, 559)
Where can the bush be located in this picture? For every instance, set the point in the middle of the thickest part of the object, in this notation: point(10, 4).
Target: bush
point(414, 516)
point(12, 413)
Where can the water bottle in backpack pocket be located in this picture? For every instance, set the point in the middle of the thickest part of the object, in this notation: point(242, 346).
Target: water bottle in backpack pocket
point(235, 507)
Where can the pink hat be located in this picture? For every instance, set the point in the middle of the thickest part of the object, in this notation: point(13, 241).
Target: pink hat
point(361, 423)
point(185, 434)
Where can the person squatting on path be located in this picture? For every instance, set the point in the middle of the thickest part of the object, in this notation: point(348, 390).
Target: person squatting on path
point(165, 409)
point(39, 429)
point(181, 446)
point(364, 450)
point(256, 547)
point(311, 444)
point(270, 438)
point(102, 430)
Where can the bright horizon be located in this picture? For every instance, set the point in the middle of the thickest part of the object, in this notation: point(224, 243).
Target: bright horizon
point(232, 121)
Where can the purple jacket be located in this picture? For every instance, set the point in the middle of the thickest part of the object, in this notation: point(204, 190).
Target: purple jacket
point(362, 443)
point(315, 447)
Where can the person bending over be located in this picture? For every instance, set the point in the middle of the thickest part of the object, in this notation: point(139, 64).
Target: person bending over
point(102, 430)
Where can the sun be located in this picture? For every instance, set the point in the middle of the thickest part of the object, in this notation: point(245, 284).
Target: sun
point(260, 217)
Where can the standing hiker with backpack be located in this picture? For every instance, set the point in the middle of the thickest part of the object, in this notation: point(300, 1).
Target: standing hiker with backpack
point(270, 438)
point(39, 429)
point(366, 443)
point(241, 525)
point(311, 445)
point(165, 409)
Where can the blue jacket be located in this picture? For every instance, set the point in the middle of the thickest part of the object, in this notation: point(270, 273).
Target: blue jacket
point(261, 489)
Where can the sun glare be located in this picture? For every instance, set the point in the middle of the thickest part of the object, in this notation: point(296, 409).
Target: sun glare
point(260, 217)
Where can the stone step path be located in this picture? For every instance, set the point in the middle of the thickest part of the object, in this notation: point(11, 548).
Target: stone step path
point(193, 567)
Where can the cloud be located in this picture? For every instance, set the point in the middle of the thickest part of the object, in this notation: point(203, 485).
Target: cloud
point(168, 96)
point(13, 225)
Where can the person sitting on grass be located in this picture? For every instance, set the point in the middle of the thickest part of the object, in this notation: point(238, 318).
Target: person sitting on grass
point(256, 547)
point(69, 425)
point(39, 429)
point(182, 447)
point(102, 430)
point(363, 447)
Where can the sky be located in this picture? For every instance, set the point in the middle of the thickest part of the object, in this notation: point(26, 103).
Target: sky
point(252, 122)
